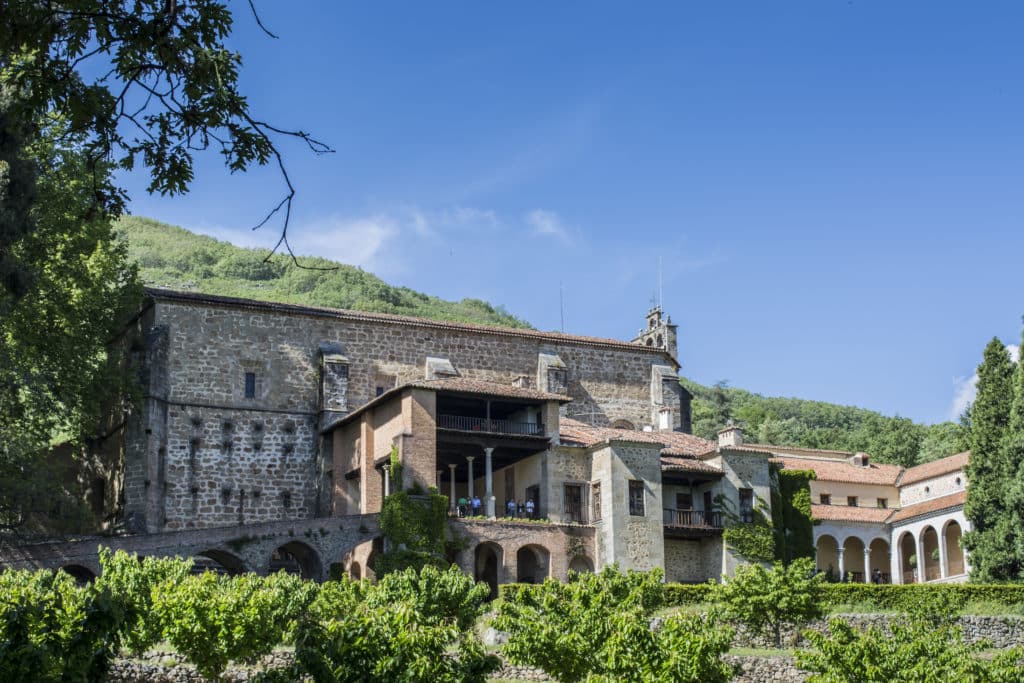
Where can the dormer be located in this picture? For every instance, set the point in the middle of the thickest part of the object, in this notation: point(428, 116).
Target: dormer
point(860, 459)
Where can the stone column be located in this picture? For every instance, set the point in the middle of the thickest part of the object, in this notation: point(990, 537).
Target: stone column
point(387, 480)
point(451, 496)
point(842, 563)
point(867, 563)
point(919, 544)
point(943, 568)
point(488, 484)
point(469, 459)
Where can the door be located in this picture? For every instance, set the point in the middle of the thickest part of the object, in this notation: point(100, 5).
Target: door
point(574, 503)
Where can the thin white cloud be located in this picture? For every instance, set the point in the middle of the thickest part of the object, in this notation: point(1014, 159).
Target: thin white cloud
point(548, 224)
point(358, 242)
point(966, 388)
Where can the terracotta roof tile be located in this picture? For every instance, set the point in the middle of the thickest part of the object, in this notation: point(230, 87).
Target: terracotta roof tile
point(935, 468)
point(344, 314)
point(466, 385)
point(849, 513)
point(674, 463)
point(675, 443)
point(842, 471)
point(929, 506)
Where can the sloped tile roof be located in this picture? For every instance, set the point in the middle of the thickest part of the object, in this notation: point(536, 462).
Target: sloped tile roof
point(675, 443)
point(465, 385)
point(849, 513)
point(842, 471)
point(675, 463)
point(935, 468)
point(934, 505)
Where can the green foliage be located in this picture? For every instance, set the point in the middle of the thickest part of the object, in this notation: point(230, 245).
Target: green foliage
point(993, 540)
point(411, 626)
point(414, 527)
point(133, 580)
point(815, 424)
point(175, 258)
point(596, 627)
point(752, 540)
point(766, 599)
point(912, 651)
point(791, 514)
point(214, 619)
point(53, 630)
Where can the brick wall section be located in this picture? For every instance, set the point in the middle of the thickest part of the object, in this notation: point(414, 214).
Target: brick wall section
point(562, 542)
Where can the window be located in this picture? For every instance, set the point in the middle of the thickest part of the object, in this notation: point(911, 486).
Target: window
point(746, 505)
point(684, 501)
point(380, 390)
point(250, 385)
point(636, 498)
point(826, 499)
point(851, 501)
point(595, 494)
point(574, 503)
point(883, 503)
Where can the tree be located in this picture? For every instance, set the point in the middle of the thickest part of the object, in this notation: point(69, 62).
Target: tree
point(765, 600)
point(1013, 457)
point(792, 524)
point(990, 540)
point(597, 627)
point(55, 380)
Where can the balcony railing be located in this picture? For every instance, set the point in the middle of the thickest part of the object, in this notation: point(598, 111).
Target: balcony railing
point(482, 424)
point(693, 518)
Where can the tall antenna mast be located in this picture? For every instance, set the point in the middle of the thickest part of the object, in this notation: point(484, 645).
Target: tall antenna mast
point(561, 305)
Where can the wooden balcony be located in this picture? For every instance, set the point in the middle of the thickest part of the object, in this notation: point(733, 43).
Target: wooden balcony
point(462, 423)
point(692, 523)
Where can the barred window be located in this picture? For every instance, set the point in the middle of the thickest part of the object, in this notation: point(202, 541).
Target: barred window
point(636, 498)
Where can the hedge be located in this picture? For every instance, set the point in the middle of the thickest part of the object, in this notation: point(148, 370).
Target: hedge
point(883, 597)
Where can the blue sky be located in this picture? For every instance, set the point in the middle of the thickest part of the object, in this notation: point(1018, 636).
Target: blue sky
point(835, 189)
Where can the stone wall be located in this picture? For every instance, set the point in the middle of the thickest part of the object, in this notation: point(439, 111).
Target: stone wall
point(692, 560)
point(935, 487)
point(560, 543)
point(185, 469)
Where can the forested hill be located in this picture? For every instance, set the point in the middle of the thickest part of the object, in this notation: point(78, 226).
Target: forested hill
point(175, 258)
point(814, 424)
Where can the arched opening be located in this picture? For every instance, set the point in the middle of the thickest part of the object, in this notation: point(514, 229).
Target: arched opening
point(908, 558)
point(880, 566)
point(930, 541)
point(217, 561)
point(660, 342)
point(297, 558)
point(81, 575)
point(355, 572)
point(827, 556)
point(370, 565)
point(532, 564)
point(853, 560)
point(650, 342)
point(623, 424)
point(581, 564)
point(954, 553)
point(487, 564)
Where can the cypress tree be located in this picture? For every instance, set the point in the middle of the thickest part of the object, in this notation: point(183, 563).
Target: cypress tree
point(1013, 455)
point(989, 473)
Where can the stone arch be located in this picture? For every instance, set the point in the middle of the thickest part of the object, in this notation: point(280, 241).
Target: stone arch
point(853, 559)
point(533, 564)
point(355, 572)
point(650, 342)
point(581, 564)
point(487, 562)
point(951, 534)
point(295, 557)
point(930, 548)
point(827, 555)
point(219, 561)
point(660, 342)
point(81, 575)
point(880, 564)
point(623, 424)
point(908, 548)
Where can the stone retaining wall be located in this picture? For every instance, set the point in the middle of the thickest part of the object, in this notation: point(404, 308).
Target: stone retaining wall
point(766, 669)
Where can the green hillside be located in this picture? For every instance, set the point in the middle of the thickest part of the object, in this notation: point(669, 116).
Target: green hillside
point(174, 258)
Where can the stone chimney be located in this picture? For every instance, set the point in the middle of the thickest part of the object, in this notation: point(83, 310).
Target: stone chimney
point(730, 436)
point(860, 459)
point(665, 419)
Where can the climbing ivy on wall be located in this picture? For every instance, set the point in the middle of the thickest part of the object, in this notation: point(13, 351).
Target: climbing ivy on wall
point(791, 514)
point(754, 541)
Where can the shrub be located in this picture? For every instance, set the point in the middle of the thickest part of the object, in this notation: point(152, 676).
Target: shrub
point(766, 599)
point(53, 630)
point(905, 597)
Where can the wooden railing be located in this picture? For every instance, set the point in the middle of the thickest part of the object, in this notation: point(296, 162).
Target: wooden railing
point(482, 424)
point(693, 518)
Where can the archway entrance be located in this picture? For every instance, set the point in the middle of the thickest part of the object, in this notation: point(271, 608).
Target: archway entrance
point(930, 543)
point(907, 551)
point(297, 558)
point(954, 553)
point(581, 564)
point(532, 564)
point(853, 560)
point(81, 575)
point(217, 561)
point(880, 566)
point(355, 572)
point(487, 563)
point(827, 552)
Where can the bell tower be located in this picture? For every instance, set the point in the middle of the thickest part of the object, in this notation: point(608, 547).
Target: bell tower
point(659, 332)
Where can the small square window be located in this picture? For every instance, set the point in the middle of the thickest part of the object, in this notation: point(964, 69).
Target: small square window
point(250, 385)
point(636, 498)
point(826, 499)
point(883, 503)
point(851, 501)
